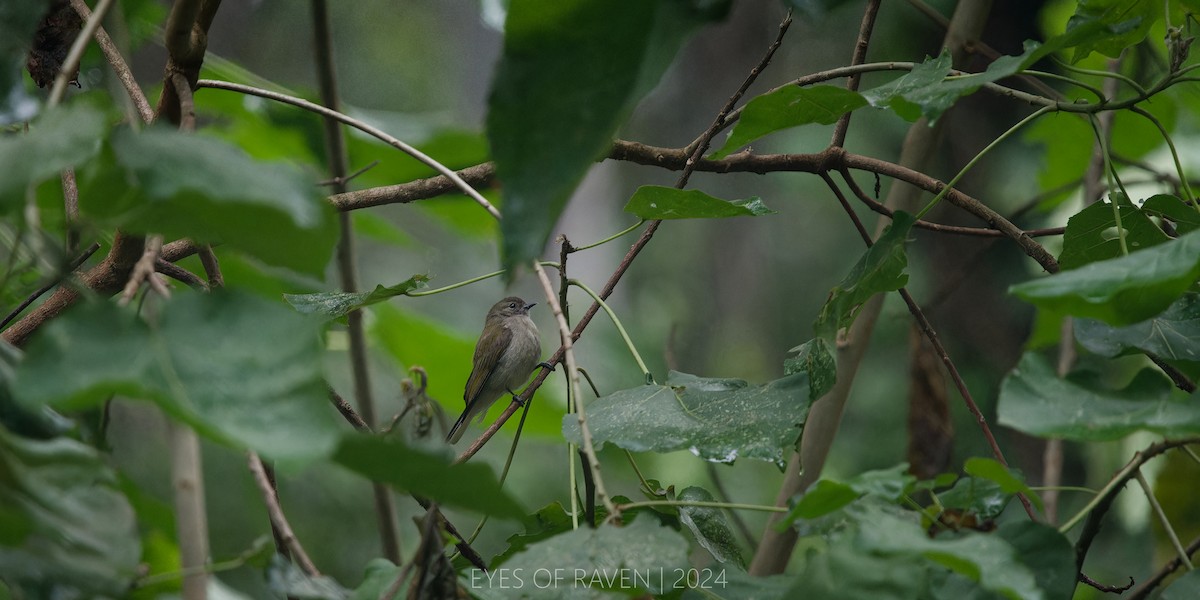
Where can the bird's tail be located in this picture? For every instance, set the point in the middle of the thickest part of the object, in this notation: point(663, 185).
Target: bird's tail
point(460, 427)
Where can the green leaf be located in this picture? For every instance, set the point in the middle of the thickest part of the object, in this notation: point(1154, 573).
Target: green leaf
point(790, 106)
point(388, 460)
point(583, 563)
point(1091, 233)
point(1009, 481)
point(1113, 25)
point(61, 137)
point(895, 94)
point(716, 419)
point(1123, 290)
point(881, 269)
point(1173, 335)
point(333, 305)
point(986, 559)
point(201, 188)
point(658, 202)
point(569, 73)
point(290, 581)
point(240, 369)
point(977, 496)
point(547, 522)
point(827, 495)
point(1186, 587)
point(709, 526)
point(1044, 551)
point(928, 91)
point(1033, 399)
point(822, 498)
point(1185, 216)
point(67, 531)
point(377, 579)
point(814, 359)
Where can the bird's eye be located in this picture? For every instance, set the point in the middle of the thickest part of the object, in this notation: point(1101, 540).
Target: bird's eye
point(512, 304)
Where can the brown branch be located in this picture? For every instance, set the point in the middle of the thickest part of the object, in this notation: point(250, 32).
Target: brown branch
point(119, 66)
point(478, 176)
point(180, 274)
point(860, 55)
point(187, 107)
point(143, 271)
point(279, 522)
point(880, 208)
point(70, 189)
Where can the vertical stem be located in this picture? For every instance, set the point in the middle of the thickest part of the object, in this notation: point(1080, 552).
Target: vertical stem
point(187, 483)
point(860, 55)
point(335, 147)
point(1166, 523)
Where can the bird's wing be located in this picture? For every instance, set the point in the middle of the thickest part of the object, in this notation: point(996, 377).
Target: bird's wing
point(491, 345)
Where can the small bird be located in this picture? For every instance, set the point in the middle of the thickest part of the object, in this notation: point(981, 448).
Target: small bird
point(507, 351)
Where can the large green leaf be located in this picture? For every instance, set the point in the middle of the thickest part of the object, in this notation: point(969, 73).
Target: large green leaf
point(66, 530)
point(547, 522)
point(717, 419)
point(881, 269)
point(569, 72)
point(388, 460)
point(659, 202)
point(828, 495)
point(1124, 290)
point(786, 107)
point(1174, 334)
point(240, 369)
point(61, 137)
point(205, 189)
point(332, 305)
point(1033, 399)
point(896, 94)
point(709, 526)
point(1044, 551)
point(642, 556)
point(1091, 233)
point(988, 560)
point(982, 498)
point(1113, 25)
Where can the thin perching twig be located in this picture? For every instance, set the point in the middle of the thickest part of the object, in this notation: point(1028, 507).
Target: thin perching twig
point(278, 519)
point(859, 56)
point(144, 270)
point(564, 332)
point(75, 264)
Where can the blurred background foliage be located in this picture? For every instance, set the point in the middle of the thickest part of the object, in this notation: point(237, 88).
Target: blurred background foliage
point(718, 298)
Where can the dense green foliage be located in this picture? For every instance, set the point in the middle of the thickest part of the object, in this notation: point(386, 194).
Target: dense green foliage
point(248, 365)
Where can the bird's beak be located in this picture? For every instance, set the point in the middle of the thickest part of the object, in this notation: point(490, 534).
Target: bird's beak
point(529, 306)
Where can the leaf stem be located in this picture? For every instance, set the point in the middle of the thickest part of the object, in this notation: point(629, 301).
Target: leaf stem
point(1166, 523)
point(1011, 130)
point(1183, 180)
point(612, 237)
point(419, 293)
point(621, 329)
